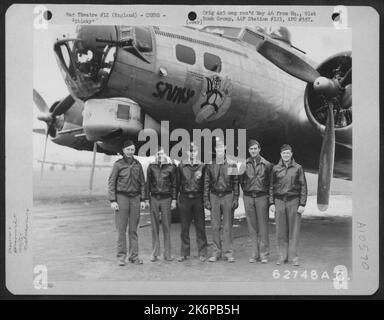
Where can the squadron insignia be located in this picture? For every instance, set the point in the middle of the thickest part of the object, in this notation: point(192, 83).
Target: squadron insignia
point(214, 100)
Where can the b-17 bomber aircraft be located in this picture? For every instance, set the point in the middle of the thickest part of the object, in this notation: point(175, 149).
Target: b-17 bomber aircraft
point(122, 79)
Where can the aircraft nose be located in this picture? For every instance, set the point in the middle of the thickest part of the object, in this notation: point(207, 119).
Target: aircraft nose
point(88, 59)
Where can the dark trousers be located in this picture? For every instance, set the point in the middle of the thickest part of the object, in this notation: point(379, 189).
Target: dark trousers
point(222, 207)
point(256, 210)
point(128, 215)
point(192, 209)
point(287, 228)
point(161, 209)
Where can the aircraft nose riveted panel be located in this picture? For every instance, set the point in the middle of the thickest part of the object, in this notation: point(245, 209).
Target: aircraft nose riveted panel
point(214, 99)
point(107, 118)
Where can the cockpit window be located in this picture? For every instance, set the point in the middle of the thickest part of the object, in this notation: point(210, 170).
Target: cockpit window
point(231, 32)
point(212, 62)
point(143, 39)
point(185, 54)
point(252, 38)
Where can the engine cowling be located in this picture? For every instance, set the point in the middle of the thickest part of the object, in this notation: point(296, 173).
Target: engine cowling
point(334, 68)
point(108, 119)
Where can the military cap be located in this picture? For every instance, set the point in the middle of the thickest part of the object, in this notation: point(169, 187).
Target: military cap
point(285, 147)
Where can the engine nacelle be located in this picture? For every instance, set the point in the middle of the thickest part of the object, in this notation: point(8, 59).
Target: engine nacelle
point(71, 123)
point(106, 119)
point(335, 68)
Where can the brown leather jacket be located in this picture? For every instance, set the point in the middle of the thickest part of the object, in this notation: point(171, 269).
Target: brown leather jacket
point(161, 180)
point(191, 178)
point(218, 181)
point(288, 182)
point(126, 177)
point(256, 177)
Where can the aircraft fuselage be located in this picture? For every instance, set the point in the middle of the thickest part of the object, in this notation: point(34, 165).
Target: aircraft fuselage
point(180, 71)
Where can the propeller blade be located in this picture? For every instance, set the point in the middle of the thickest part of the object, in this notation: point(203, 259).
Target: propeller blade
point(93, 167)
point(52, 130)
point(288, 61)
point(40, 102)
point(44, 154)
point(39, 131)
point(347, 78)
point(346, 100)
point(46, 116)
point(327, 158)
point(63, 106)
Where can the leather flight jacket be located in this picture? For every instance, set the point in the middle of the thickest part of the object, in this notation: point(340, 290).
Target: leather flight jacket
point(256, 177)
point(161, 180)
point(219, 182)
point(127, 177)
point(191, 179)
point(288, 183)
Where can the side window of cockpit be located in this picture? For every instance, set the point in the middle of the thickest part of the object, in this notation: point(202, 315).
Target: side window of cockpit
point(185, 54)
point(252, 38)
point(212, 62)
point(143, 39)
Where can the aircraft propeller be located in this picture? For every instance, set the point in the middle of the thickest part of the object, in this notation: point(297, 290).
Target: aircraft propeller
point(50, 118)
point(40, 102)
point(44, 116)
point(331, 90)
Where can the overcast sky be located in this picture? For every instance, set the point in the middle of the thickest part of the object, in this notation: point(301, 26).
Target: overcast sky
point(318, 43)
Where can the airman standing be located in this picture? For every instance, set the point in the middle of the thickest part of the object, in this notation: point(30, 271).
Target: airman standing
point(191, 207)
point(221, 194)
point(161, 189)
point(255, 184)
point(287, 199)
point(126, 188)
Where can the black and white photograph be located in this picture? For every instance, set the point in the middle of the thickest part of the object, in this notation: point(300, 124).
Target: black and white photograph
point(212, 155)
